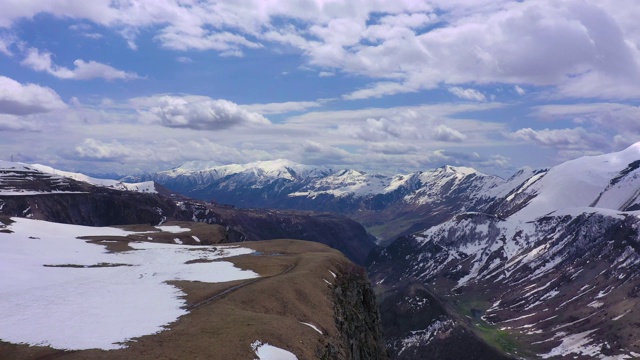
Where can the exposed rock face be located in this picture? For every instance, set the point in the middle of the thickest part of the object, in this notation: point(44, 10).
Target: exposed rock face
point(356, 317)
point(99, 208)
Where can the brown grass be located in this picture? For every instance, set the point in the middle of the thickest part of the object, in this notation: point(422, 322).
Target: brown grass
point(291, 289)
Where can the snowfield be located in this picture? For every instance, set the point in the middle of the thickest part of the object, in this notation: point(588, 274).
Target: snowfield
point(60, 291)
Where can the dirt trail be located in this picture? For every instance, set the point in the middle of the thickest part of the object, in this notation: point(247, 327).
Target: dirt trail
point(219, 295)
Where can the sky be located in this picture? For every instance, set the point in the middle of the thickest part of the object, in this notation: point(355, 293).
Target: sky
point(129, 86)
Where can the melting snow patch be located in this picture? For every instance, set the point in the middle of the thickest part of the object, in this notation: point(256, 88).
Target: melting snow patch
point(620, 316)
point(265, 351)
point(196, 239)
point(313, 327)
point(332, 273)
point(423, 337)
point(173, 229)
point(595, 304)
point(82, 300)
point(518, 318)
point(178, 241)
point(574, 344)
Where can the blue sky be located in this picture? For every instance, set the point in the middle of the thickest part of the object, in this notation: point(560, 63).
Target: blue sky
point(384, 86)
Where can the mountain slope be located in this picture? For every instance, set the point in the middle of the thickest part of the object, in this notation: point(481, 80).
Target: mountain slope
point(126, 293)
point(551, 269)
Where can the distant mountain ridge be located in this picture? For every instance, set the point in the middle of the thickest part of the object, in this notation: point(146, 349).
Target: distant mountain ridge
point(373, 199)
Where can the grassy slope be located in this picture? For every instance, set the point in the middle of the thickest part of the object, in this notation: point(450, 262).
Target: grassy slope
point(291, 289)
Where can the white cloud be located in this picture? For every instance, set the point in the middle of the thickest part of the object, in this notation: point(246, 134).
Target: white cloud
point(227, 43)
point(96, 150)
point(380, 129)
point(83, 70)
point(603, 116)
point(571, 139)
point(317, 153)
point(283, 107)
point(378, 90)
point(198, 113)
point(447, 134)
point(581, 48)
point(326, 74)
point(24, 99)
point(393, 148)
point(520, 91)
point(467, 94)
point(5, 44)
point(17, 123)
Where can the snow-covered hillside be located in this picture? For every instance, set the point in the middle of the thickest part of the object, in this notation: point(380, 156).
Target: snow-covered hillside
point(553, 260)
point(609, 181)
point(73, 294)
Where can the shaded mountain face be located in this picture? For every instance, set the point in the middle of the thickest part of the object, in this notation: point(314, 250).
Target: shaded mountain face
point(26, 191)
point(549, 269)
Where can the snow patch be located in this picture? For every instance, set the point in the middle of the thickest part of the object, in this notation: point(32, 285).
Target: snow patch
point(71, 294)
point(313, 327)
point(264, 351)
point(173, 229)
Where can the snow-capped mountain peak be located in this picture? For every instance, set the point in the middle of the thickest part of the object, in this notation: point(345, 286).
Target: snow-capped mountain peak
point(280, 168)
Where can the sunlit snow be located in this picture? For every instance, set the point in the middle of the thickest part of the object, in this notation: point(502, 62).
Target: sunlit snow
point(66, 293)
point(265, 351)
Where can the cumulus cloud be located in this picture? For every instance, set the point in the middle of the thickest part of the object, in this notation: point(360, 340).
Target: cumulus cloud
point(576, 138)
point(467, 94)
point(16, 123)
point(25, 99)
point(200, 113)
point(96, 150)
point(583, 48)
point(41, 61)
point(520, 91)
point(379, 129)
point(393, 148)
point(314, 153)
point(447, 134)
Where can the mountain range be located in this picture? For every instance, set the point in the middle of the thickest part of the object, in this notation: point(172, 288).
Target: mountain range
point(388, 206)
point(544, 264)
